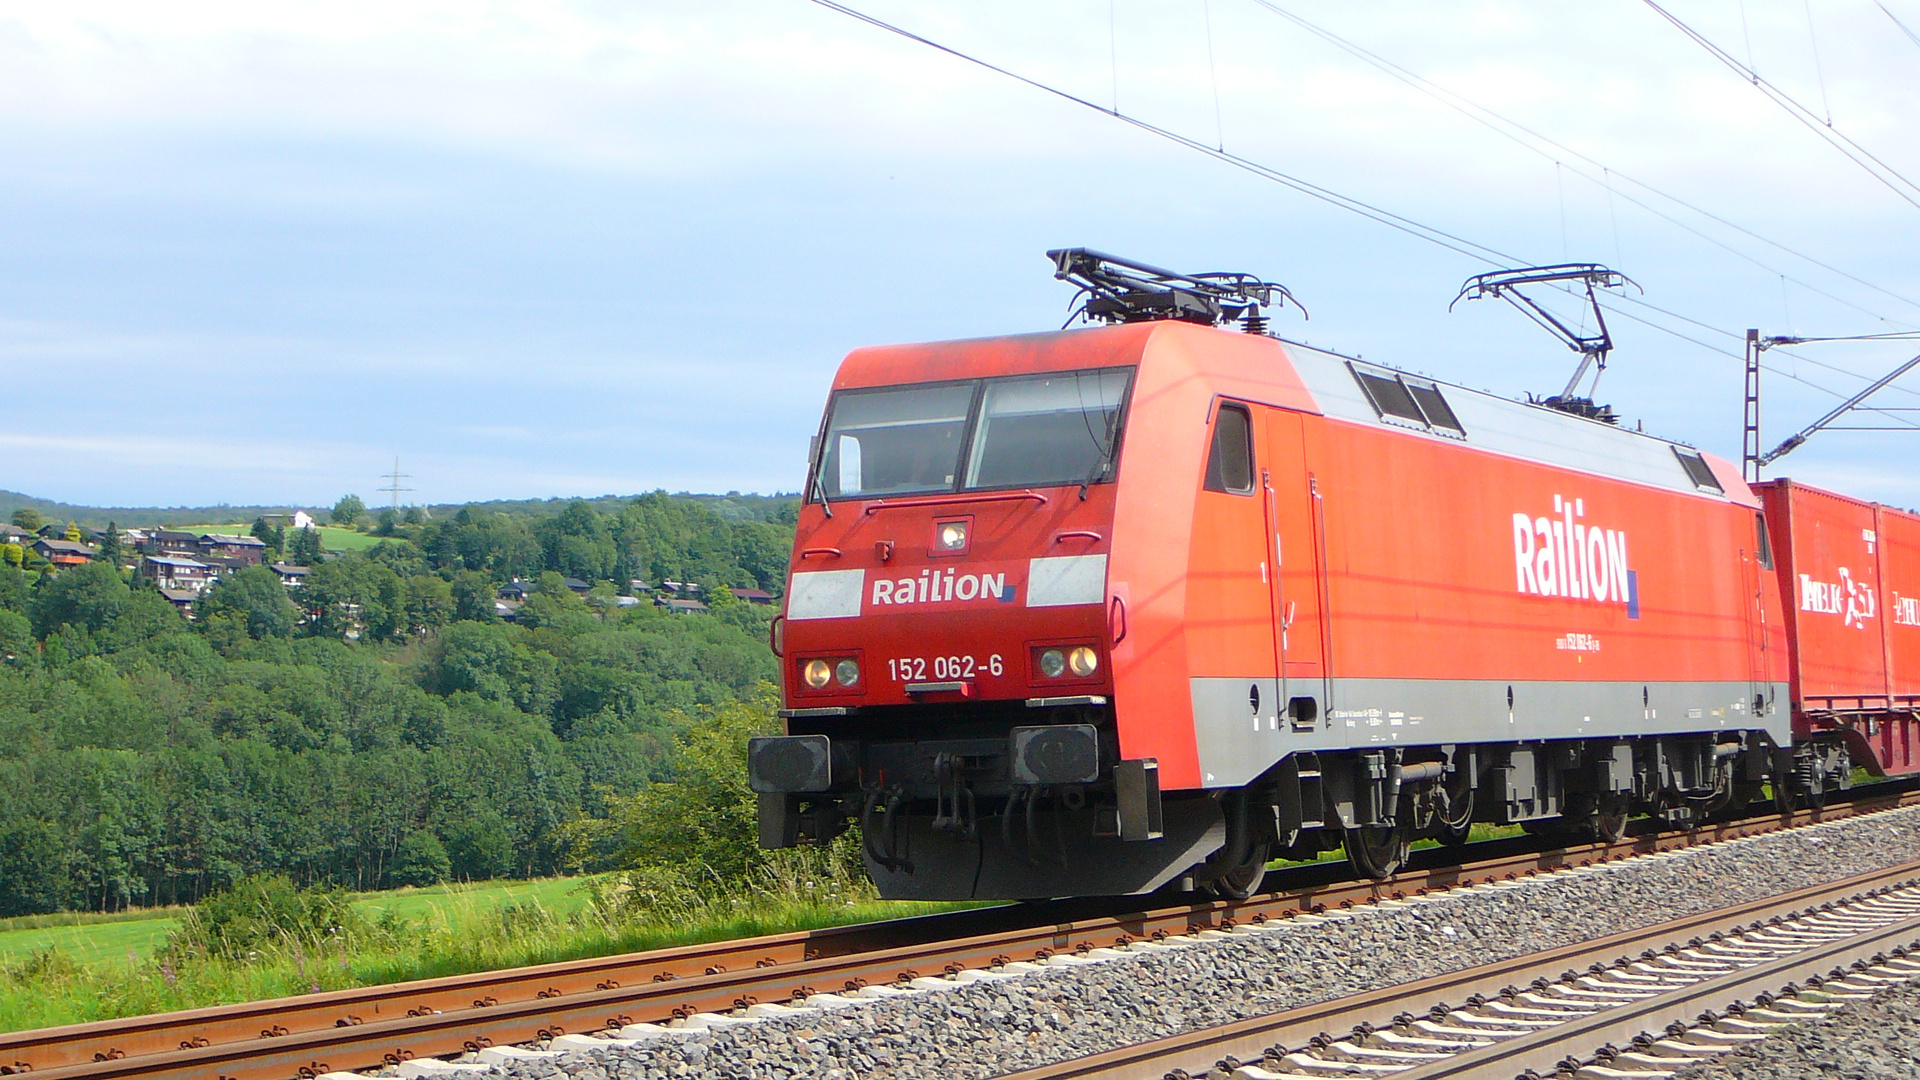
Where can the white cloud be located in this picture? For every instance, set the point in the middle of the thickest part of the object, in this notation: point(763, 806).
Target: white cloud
point(506, 237)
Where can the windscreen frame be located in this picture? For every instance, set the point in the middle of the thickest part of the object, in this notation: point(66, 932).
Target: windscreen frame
point(815, 489)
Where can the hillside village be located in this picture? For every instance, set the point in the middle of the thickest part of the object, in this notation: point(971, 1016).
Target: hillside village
point(183, 565)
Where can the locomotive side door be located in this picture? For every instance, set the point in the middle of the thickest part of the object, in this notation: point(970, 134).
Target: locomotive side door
point(1757, 568)
point(1232, 658)
point(1294, 536)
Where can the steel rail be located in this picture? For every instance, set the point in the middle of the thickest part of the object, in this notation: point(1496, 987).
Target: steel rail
point(1196, 1051)
point(365, 1027)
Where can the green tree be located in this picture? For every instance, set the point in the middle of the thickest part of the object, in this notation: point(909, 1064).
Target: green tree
point(254, 597)
point(73, 532)
point(33, 869)
point(480, 846)
point(429, 602)
point(348, 511)
point(473, 596)
point(274, 537)
point(112, 552)
point(26, 517)
point(699, 828)
point(13, 554)
point(13, 588)
point(420, 860)
point(16, 636)
point(353, 592)
point(88, 596)
point(303, 547)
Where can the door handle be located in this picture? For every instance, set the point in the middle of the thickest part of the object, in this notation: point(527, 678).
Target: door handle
point(1117, 620)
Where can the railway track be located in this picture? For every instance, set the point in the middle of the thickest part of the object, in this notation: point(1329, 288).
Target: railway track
point(1707, 984)
point(369, 1027)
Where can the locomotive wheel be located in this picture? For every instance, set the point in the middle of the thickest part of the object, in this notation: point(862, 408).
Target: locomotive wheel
point(1610, 819)
point(1240, 882)
point(1377, 850)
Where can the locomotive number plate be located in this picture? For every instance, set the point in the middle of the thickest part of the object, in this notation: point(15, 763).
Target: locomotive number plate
point(919, 668)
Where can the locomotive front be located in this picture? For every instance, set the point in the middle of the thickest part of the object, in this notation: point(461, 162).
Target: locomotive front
point(944, 649)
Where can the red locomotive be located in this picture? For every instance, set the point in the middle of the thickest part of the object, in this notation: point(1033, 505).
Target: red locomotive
point(1142, 606)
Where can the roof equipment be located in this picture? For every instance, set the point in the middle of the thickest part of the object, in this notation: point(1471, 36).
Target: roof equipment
point(1123, 291)
point(1593, 348)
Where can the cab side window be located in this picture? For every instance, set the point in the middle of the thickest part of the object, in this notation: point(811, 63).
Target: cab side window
point(1230, 461)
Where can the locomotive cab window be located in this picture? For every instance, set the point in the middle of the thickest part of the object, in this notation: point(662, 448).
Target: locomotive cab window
point(1762, 543)
point(1407, 399)
point(895, 441)
point(1698, 470)
point(1230, 460)
point(1048, 430)
point(1019, 431)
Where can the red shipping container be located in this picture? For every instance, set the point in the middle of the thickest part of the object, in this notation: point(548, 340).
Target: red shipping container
point(1850, 575)
point(1899, 536)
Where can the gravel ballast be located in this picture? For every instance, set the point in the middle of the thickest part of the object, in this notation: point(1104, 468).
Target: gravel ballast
point(1073, 1007)
point(1868, 1040)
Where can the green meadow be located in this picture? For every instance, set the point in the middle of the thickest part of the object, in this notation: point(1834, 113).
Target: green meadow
point(69, 969)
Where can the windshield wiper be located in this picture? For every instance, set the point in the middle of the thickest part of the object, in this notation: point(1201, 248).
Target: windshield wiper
point(818, 487)
point(1106, 455)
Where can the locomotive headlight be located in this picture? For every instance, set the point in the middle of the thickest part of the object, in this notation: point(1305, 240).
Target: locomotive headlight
point(846, 672)
point(816, 672)
point(1053, 663)
point(1083, 661)
point(951, 536)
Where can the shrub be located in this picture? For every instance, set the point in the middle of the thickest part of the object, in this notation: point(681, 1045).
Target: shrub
point(262, 911)
point(693, 837)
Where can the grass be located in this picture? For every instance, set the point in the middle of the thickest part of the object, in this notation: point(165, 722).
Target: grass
point(79, 968)
point(332, 538)
point(90, 938)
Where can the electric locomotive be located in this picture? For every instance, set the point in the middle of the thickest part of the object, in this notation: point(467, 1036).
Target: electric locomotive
point(1145, 605)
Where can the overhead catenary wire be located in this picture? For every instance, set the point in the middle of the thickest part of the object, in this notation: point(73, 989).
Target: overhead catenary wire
point(1731, 355)
point(1819, 69)
point(1494, 122)
point(1890, 177)
point(1911, 36)
point(1409, 226)
point(1459, 245)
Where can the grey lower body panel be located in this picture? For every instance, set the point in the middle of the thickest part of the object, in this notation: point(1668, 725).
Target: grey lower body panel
point(1242, 728)
point(1059, 857)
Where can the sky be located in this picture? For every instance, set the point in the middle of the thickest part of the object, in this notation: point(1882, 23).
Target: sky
point(256, 252)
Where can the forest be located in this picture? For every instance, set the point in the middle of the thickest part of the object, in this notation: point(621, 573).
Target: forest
point(387, 729)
